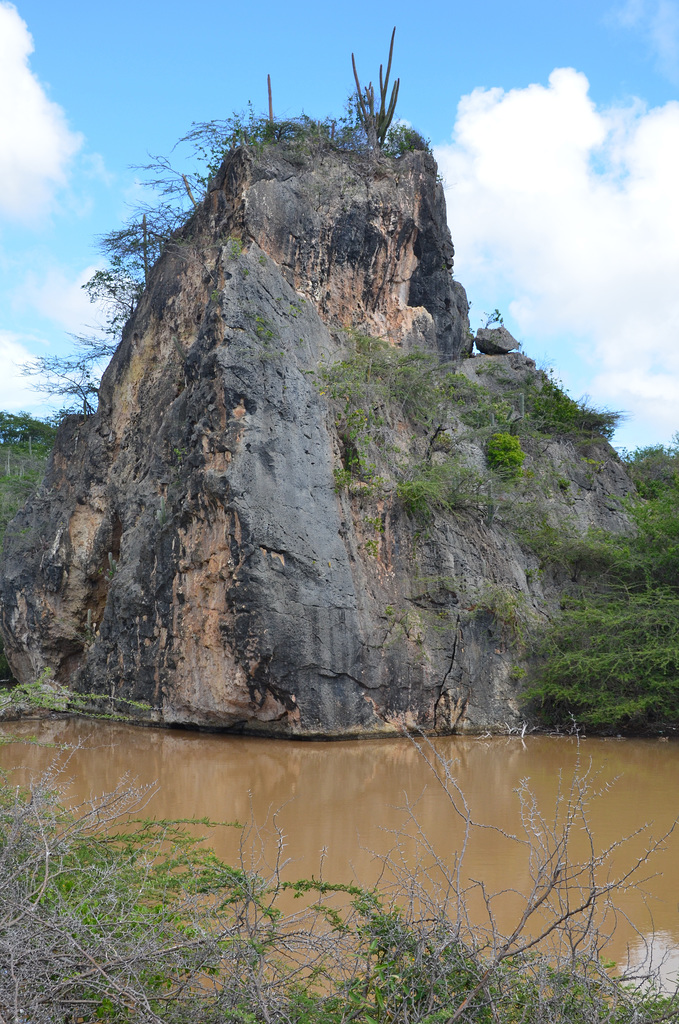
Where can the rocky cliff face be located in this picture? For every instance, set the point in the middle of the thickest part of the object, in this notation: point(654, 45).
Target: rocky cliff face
point(193, 544)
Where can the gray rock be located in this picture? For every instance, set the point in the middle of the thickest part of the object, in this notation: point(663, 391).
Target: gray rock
point(495, 341)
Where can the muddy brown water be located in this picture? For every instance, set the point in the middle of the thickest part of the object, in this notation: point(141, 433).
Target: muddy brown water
point(341, 805)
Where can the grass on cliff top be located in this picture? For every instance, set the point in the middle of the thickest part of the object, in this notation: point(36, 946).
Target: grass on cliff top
point(212, 141)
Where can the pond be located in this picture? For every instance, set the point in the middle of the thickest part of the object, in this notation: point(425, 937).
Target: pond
point(340, 807)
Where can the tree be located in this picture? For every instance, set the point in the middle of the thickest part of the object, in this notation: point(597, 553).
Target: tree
point(23, 430)
point(116, 289)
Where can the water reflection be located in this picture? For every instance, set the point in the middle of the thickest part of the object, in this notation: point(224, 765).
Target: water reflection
point(348, 799)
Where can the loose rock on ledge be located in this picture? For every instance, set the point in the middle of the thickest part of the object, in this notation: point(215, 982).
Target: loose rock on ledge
point(495, 341)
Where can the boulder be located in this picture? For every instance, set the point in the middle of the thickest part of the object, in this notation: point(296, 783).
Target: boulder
point(495, 341)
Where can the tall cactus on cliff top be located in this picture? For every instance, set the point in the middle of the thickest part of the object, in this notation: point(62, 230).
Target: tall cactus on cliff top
point(377, 124)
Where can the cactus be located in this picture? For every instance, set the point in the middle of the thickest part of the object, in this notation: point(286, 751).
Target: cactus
point(491, 506)
point(376, 124)
point(90, 628)
point(161, 513)
point(180, 350)
point(112, 566)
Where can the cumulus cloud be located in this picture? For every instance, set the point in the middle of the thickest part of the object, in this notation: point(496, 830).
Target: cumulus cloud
point(657, 21)
point(59, 296)
point(574, 210)
point(15, 390)
point(37, 143)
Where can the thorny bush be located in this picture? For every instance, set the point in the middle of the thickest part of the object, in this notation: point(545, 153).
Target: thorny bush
point(107, 916)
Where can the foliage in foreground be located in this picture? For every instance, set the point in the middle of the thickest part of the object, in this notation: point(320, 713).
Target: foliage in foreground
point(611, 660)
point(107, 916)
point(45, 695)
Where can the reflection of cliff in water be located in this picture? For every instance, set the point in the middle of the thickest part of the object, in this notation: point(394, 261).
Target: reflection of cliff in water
point(348, 798)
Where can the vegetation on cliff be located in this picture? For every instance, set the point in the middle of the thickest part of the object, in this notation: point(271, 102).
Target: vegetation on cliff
point(610, 660)
point(376, 391)
point(132, 251)
point(25, 443)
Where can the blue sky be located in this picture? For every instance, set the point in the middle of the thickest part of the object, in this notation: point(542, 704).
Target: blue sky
point(556, 127)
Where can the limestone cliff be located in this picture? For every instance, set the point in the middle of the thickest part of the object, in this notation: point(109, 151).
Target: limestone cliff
point(193, 544)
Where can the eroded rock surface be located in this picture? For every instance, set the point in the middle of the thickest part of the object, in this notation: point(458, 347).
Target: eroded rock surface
point(188, 547)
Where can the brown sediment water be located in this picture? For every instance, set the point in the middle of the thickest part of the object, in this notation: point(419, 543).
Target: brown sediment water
point(340, 805)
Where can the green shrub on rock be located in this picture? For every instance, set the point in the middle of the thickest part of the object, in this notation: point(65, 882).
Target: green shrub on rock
point(553, 411)
point(612, 663)
point(449, 487)
point(611, 659)
point(504, 454)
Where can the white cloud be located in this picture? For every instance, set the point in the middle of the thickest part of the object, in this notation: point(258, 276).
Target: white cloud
point(94, 167)
point(630, 13)
point(575, 211)
point(657, 22)
point(15, 391)
point(60, 297)
point(37, 143)
point(664, 36)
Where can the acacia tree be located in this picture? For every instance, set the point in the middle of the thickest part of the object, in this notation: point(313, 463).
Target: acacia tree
point(115, 290)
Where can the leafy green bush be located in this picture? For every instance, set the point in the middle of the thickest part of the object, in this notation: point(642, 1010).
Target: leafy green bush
point(655, 468)
point(448, 486)
point(552, 411)
point(611, 660)
point(402, 139)
point(504, 454)
point(24, 433)
point(510, 610)
point(374, 390)
point(612, 663)
point(44, 694)
point(386, 384)
point(582, 556)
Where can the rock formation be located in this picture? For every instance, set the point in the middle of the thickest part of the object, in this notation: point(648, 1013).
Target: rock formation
point(191, 547)
point(495, 341)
